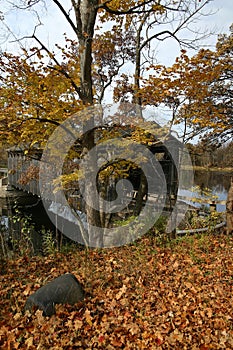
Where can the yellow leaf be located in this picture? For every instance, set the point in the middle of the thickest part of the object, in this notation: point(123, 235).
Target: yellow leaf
point(17, 316)
point(27, 290)
point(88, 317)
point(78, 324)
point(121, 292)
point(29, 342)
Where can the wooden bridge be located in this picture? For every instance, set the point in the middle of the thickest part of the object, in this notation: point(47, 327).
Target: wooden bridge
point(23, 172)
point(23, 175)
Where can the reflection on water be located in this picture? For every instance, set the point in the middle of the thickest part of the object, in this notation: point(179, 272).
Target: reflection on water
point(217, 182)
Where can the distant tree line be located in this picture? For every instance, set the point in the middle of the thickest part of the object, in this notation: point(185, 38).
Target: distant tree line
point(210, 155)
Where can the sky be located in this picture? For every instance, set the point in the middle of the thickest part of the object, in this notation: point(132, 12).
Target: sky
point(219, 23)
point(54, 26)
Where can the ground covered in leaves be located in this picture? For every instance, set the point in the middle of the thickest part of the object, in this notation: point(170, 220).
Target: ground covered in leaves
point(142, 296)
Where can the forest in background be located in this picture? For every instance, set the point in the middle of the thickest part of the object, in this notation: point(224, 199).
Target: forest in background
point(205, 155)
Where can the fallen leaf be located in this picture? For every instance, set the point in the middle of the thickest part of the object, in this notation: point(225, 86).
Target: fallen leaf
point(121, 292)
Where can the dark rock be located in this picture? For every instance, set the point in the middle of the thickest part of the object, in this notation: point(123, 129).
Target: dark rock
point(64, 289)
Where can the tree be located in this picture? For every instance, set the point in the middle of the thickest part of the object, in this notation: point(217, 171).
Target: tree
point(206, 154)
point(198, 90)
point(98, 62)
point(147, 27)
point(34, 100)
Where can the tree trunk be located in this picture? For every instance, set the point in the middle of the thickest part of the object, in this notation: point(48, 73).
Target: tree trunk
point(142, 191)
point(86, 11)
point(136, 98)
point(137, 73)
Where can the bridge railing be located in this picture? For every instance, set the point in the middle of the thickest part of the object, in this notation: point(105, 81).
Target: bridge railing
point(23, 172)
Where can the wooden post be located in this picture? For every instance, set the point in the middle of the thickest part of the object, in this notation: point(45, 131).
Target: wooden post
point(229, 209)
point(213, 206)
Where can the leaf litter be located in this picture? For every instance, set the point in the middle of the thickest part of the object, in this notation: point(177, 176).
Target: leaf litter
point(142, 296)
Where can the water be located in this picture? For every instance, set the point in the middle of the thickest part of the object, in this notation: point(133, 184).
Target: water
point(218, 184)
point(217, 181)
point(25, 213)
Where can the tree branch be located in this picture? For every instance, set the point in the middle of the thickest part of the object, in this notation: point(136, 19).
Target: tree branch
point(156, 36)
point(67, 17)
point(61, 69)
point(132, 10)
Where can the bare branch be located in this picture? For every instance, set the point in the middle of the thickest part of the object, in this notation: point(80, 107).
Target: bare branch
point(29, 4)
point(156, 36)
point(65, 13)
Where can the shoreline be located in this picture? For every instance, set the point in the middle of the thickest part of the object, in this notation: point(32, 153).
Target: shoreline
point(210, 169)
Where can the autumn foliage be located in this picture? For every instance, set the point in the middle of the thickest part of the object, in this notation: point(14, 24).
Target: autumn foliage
point(142, 296)
point(40, 87)
point(197, 90)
